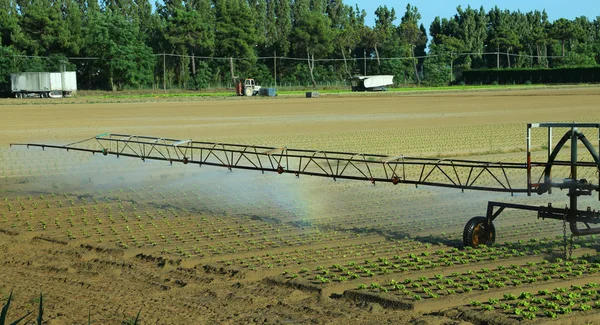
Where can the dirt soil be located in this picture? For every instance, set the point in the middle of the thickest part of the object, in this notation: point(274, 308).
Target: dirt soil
point(294, 116)
point(85, 275)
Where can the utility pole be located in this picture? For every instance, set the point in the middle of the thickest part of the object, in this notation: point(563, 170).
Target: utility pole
point(451, 69)
point(63, 68)
point(365, 61)
point(498, 56)
point(231, 70)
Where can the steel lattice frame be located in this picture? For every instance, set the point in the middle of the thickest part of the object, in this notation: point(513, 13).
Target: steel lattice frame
point(450, 173)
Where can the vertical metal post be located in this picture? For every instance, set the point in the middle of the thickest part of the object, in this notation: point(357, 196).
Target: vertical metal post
point(489, 214)
point(451, 68)
point(549, 153)
point(572, 190)
point(365, 63)
point(549, 141)
point(63, 68)
point(275, 67)
point(498, 57)
point(528, 159)
point(164, 71)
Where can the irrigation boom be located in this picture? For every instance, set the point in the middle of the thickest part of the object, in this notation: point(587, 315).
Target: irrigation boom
point(398, 169)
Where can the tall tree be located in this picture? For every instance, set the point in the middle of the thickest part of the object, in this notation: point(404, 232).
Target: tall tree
point(347, 25)
point(235, 33)
point(538, 35)
point(596, 44)
point(258, 9)
point(45, 28)
point(312, 35)
point(188, 29)
point(148, 21)
point(270, 27)
point(415, 37)
point(123, 58)
point(283, 26)
point(502, 33)
point(383, 29)
point(563, 31)
point(10, 31)
point(471, 30)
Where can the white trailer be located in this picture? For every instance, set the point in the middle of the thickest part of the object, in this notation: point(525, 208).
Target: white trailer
point(372, 83)
point(69, 83)
point(43, 84)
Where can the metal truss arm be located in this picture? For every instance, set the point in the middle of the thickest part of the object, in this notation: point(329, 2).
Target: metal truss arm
point(398, 169)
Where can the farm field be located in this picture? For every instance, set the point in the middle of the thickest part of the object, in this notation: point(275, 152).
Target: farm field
point(106, 236)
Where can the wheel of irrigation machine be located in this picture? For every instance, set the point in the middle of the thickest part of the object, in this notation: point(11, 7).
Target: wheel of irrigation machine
point(475, 232)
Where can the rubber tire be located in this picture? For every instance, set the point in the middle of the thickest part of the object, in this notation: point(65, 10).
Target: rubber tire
point(248, 91)
point(470, 229)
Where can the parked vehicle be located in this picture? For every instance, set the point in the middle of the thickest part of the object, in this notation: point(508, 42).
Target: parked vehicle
point(247, 87)
point(372, 83)
point(43, 84)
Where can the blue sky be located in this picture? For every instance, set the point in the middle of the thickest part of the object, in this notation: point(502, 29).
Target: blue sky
point(446, 8)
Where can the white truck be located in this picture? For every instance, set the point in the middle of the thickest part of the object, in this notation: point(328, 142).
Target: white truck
point(372, 83)
point(43, 84)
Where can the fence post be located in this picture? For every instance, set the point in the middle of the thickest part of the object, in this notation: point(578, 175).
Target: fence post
point(365, 64)
point(498, 57)
point(451, 68)
point(164, 72)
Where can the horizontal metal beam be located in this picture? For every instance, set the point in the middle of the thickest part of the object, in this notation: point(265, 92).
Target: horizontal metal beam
point(450, 173)
point(564, 125)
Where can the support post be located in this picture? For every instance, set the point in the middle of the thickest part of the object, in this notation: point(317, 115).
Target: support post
point(231, 70)
point(194, 72)
point(498, 57)
point(275, 67)
point(528, 159)
point(365, 62)
point(164, 72)
point(549, 153)
point(63, 68)
point(451, 67)
point(573, 190)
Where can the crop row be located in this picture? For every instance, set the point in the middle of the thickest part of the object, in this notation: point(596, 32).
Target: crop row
point(186, 233)
point(440, 259)
point(325, 254)
point(485, 279)
point(545, 303)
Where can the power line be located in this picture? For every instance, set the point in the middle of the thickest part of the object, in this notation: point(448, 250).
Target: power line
point(306, 59)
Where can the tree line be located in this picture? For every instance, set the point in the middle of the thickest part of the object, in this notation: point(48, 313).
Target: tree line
point(116, 44)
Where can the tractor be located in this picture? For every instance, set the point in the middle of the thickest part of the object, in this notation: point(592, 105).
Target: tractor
point(246, 87)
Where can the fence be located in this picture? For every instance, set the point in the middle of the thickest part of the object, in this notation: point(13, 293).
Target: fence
point(174, 71)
